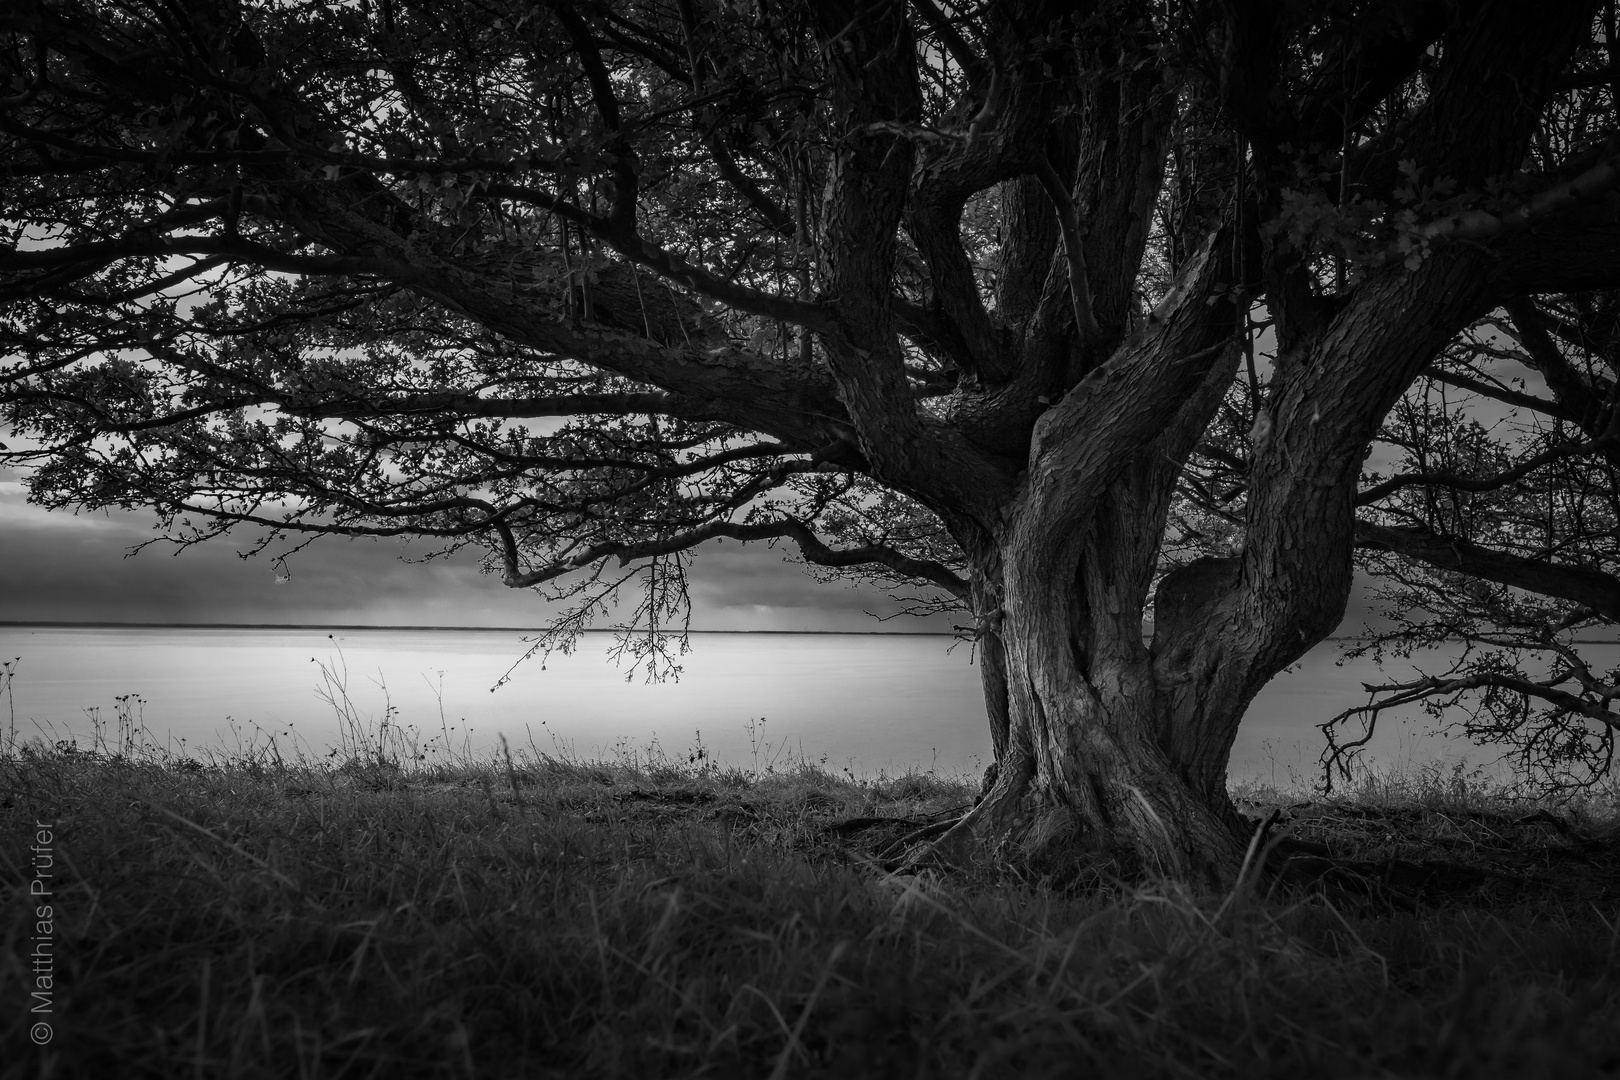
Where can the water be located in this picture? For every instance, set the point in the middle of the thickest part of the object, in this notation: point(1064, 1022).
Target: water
point(868, 703)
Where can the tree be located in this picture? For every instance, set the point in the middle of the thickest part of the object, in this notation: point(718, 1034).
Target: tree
point(962, 296)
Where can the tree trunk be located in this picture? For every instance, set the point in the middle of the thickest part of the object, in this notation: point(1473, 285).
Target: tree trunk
point(1101, 742)
point(1087, 756)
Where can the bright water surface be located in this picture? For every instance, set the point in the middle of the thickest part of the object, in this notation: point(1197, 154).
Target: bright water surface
point(863, 702)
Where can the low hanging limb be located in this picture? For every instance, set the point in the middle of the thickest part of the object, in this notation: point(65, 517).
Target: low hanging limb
point(810, 546)
point(1433, 686)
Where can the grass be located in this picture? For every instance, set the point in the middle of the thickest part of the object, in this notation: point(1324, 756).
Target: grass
point(536, 916)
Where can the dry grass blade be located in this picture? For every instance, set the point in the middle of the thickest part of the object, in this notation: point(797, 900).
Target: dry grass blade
point(234, 848)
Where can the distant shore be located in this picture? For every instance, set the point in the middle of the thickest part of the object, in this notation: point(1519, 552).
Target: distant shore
point(49, 625)
point(14, 624)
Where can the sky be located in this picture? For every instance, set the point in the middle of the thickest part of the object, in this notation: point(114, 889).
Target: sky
point(56, 566)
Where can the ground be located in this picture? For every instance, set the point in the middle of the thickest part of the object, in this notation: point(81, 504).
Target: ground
point(529, 916)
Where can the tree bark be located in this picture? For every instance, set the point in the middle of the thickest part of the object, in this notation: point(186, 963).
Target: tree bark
point(1085, 756)
point(1099, 742)
point(985, 596)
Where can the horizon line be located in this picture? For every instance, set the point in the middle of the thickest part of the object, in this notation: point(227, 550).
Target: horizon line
point(118, 625)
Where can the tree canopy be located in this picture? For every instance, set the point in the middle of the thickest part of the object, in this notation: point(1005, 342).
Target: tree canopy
point(1128, 327)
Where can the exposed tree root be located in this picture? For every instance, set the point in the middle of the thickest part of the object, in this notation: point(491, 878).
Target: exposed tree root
point(1345, 871)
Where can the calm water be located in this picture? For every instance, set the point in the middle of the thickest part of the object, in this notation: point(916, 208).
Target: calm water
point(865, 702)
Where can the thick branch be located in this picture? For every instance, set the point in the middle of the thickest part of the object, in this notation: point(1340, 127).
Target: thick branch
point(1479, 225)
point(1577, 584)
point(1083, 442)
point(1074, 251)
point(1504, 394)
point(622, 219)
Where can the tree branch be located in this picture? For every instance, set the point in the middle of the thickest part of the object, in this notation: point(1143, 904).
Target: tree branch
point(779, 219)
point(1581, 585)
point(1485, 483)
point(811, 316)
point(1481, 225)
point(1420, 689)
point(1074, 251)
point(622, 218)
point(1572, 389)
point(812, 548)
point(971, 63)
point(1504, 395)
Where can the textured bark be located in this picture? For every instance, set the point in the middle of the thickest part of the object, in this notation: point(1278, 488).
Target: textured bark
point(1102, 748)
point(1099, 747)
point(1085, 759)
point(985, 597)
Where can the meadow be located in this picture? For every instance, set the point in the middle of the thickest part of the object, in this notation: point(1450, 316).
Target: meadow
point(375, 914)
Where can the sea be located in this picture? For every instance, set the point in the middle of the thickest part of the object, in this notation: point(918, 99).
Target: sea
point(869, 704)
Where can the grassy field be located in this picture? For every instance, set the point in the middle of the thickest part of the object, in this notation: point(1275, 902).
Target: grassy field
point(530, 916)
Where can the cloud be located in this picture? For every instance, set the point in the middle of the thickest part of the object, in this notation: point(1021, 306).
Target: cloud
point(63, 567)
point(736, 586)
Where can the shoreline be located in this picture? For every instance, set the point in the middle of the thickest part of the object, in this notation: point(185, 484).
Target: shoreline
point(6, 624)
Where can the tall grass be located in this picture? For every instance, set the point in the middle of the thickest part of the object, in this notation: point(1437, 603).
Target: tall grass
point(387, 911)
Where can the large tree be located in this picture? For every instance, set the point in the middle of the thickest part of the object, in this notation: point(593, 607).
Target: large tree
point(966, 295)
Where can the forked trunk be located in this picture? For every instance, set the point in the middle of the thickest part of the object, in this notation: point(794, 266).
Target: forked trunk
point(1098, 751)
point(1116, 743)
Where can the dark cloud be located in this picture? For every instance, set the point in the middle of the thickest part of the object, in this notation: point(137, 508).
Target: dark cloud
point(74, 568)
point(61, 567)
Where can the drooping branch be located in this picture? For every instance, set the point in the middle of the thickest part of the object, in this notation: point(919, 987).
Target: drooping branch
point(811, 547)
point(1407, 693)
point(1546, 746)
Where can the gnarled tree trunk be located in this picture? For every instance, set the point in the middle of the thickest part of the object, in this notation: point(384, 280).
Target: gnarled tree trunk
point(1122, 742)
point(1088, 759)
point(1108, 740)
